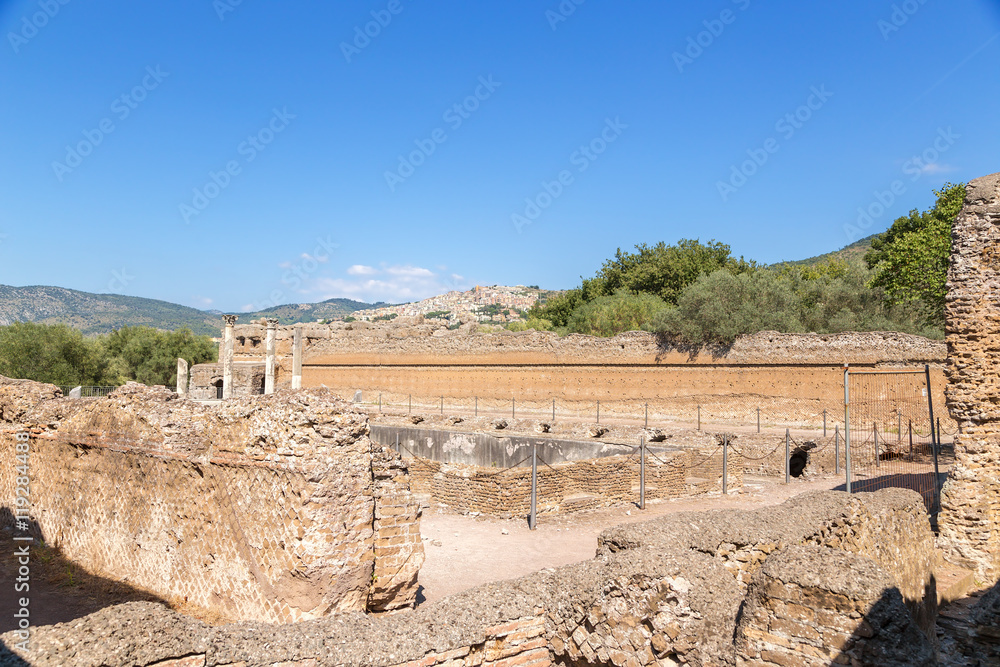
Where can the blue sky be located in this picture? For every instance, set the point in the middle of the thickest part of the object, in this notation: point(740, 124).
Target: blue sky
point(230, 155)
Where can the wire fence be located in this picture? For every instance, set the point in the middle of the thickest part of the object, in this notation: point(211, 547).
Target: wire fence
point(895, 438)
point(643, 472)
point(884, 435)
point(87, 392)
point(739, 413)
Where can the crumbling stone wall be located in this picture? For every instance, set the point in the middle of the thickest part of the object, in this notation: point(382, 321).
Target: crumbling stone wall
point(815, 606)
point(662, 596)
point(271, 508)
point(572, 486)
point(970, 500)
point(206, 380)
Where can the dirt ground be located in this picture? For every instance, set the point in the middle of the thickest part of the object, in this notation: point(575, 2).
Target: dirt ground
point(465, 551)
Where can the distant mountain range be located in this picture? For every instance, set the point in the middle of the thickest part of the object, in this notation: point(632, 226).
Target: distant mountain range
point(856, 250)
point(101, 313)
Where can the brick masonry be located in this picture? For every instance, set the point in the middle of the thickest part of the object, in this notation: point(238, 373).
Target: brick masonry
point(266, 508)
point(572, 486)
point(667, 591)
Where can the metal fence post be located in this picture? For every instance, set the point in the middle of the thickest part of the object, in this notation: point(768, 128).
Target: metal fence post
point(533, 517)
point(899, 425)
point(512, 408)
point(788, 457)
point(397, 443)
point(647, 415)
point(725, 464)
point(847, 425)
point(909, 430)
point(934, 443)
point(553, 409)
point(937, 474)
point(642, 472)
point(442, 405)
point(878, 458)
point(836, 449)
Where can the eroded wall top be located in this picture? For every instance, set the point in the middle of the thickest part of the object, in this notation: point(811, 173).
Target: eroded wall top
point(972, 310)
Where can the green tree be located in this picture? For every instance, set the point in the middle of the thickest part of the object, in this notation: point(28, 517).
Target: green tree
point(720, 306)
point(610, 315)
point(910, 259)
point(558, 308)
point(661, 269)
point(51, 353)
point(149, 356)
point(531, 323)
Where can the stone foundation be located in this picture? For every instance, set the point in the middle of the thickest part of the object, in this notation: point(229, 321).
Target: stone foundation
point(668, 591)
point(273, 508)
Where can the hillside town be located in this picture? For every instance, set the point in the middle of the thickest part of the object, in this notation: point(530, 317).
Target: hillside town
point(495, 303)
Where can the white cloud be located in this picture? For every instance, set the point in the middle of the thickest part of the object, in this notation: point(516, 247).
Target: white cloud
point(936, 168)
point(395, 284)
point(361, 270)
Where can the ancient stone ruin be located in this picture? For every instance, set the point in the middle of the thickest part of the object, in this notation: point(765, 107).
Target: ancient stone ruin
point(270, 508)
point(970, 500)
point(825, 578)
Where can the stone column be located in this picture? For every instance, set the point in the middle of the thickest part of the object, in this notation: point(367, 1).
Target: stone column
point(969, 521)
point(272, 330)
point(182, 377)
point(227, 356)
point(297, 358)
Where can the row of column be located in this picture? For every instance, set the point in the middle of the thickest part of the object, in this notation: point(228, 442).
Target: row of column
point(269, 359)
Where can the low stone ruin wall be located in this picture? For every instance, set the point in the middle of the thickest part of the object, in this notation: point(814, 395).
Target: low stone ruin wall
point(609, 475)
point(271, 508)
point(825, 577)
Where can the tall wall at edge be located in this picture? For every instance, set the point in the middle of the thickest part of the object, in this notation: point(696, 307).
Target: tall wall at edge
point(970, 501)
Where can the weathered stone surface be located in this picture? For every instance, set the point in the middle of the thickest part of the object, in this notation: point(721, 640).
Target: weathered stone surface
point(815, 606)
point(970, 500)
point(663, 602)
point(267, 508)
point(18, 397)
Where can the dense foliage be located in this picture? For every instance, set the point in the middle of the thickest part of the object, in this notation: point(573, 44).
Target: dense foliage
point(62, 355)
point(910, 259)
point(698, 293)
